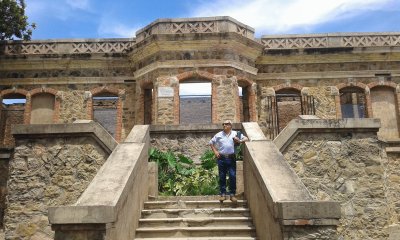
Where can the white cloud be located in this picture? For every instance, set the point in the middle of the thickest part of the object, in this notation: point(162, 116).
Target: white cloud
point(112, 28)
point(79, 4)
point(277, 16)
point(195, 89)
point(64, 10)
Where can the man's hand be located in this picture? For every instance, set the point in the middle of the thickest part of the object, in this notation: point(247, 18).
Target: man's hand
point(237, 140)
point(216, 153)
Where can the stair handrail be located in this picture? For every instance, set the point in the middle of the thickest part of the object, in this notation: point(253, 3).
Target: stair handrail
point(278, 200)
point(111, 205)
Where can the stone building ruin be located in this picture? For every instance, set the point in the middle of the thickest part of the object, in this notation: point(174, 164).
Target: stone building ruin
point(321, 93)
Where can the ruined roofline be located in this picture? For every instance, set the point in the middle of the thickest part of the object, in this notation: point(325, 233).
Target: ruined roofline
point(201, 25)
point(218, 24)
point(331, 40)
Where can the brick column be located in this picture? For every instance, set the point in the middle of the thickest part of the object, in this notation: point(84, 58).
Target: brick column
point(28, 109)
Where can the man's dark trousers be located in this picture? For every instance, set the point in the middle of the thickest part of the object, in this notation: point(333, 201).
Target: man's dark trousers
point(227, 165)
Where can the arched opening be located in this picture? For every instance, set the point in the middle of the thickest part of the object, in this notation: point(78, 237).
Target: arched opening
point(148, 103)
point(352, 102)
point(288, 104)
point(244, 103)
point(195, 102)
point(12, 112)
point(105, 106)
point(383, 100)
point(42, 108)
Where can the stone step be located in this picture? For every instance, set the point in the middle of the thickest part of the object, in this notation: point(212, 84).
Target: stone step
point(192, 204)
point(196, 222)
point(202, 238)
point(174, 232)
point(195, 212)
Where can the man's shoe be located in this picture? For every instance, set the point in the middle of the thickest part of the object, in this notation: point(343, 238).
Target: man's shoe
point(234, 199)
point(222, 198)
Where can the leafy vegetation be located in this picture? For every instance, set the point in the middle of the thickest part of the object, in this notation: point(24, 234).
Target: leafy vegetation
point(13, 21)
point(179, 176)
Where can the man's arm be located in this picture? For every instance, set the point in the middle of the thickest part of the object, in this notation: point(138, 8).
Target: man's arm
point(216, 153)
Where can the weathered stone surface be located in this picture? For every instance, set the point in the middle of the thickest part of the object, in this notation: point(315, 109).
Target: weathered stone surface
point(73, 106)
point(46, 173)
point(190, 145)
point(3, 188)
point(309, 232)
point(348, 168)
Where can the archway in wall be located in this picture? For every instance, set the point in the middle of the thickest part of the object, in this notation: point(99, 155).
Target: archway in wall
point(12, 112)
point(42, 108)
point(383, 100)
point(288, 106)
point(148, 103)
point(105, 111)
point(244, 103)
point(352, 102)
point(195, 102)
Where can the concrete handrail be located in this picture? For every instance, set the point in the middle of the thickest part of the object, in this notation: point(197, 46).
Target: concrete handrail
point(110, 207)
point(277, 198)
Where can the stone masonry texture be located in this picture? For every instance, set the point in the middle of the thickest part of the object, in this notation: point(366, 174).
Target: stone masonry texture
point(43, 173)
point(3, 188)
point(349, 168)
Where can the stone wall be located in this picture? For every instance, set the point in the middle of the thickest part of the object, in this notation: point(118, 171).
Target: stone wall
point(191, 145)
point(3, 188)
point(392, 172)
point(10, 114)
point(43, 173)
point(349, 168)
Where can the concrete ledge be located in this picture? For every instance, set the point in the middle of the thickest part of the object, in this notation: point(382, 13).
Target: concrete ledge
point(92, 129)
point(253, 131)
point(190, 128)
point(309, 209)
point(139, 134)
point(297, 126)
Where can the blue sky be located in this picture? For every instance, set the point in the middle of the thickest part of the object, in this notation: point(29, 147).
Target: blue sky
point(122, 18)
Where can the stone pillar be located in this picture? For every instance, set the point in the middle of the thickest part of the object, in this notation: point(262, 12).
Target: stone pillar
point(153, 179)
point(167, 101)
point(226, 105)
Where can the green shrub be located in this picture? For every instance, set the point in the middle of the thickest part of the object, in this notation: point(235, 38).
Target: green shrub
point(179, 176)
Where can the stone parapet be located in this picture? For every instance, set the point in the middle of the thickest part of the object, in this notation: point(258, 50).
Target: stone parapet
point(194, 25)
point(297, 126)
point(280, 204)
point(110, 207)
point(51, 165)
point(331, 40)
point(88, 128)
point(66, 46)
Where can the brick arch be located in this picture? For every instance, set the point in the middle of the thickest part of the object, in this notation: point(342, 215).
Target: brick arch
point(57, 102)
point(6, 92)
point(295, 86)
point(243, 81)
point(195, 74)
point(384, 84)
point(208, 77)
point(107, 89)
point(359, 85)
point(384, 122)
point(23, 92)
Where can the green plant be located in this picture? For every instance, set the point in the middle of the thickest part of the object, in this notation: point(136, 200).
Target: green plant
point(178, 175)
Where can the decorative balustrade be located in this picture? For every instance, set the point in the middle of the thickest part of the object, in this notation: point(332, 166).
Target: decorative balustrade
point(195, 25)
point(72, 46)
point(391, 39)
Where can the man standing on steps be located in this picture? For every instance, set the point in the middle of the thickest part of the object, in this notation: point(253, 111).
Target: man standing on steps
point(223, 146)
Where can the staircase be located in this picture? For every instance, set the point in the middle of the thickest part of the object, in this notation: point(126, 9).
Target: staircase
point(195, 220)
